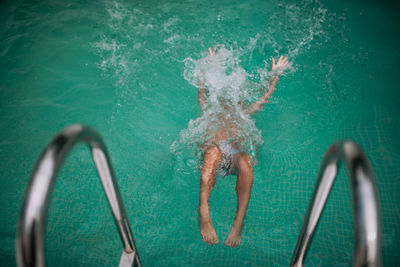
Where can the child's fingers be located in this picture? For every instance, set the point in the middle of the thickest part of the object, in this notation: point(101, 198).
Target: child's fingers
point(282, 61)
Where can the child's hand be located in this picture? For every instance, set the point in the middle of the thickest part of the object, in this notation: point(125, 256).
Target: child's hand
point(282, 62)
point(212, 51)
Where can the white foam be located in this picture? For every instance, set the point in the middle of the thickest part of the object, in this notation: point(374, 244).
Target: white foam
point(228, 87)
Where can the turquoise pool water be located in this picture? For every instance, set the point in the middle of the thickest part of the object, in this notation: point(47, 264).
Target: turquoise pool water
point(119, 67)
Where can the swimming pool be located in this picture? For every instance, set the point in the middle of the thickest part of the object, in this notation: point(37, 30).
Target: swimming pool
point(119, 67)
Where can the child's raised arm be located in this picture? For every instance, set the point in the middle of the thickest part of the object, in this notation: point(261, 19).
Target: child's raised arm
point(201, 95)
point(279, 68)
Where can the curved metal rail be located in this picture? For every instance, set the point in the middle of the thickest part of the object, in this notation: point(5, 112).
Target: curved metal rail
point(30, 236)
point(367, 250)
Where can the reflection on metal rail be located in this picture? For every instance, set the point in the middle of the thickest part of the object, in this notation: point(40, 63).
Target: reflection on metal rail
point(367, 250)
point(30, 239)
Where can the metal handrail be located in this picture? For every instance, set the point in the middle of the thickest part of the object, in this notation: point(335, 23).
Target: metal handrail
point(367, 250)
point(30, 236)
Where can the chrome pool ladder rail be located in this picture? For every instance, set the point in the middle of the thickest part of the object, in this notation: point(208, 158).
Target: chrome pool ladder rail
point(366, 209)
point(31, 225)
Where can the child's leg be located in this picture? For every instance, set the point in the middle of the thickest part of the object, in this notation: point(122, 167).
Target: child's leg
point(244, 183)
point(212, 158)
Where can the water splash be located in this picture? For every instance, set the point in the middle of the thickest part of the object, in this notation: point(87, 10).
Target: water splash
point(229, 93)
point(135, 38)
point(121, 47)
point(292, 30)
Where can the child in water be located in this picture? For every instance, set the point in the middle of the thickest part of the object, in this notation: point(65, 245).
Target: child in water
point(222, 157)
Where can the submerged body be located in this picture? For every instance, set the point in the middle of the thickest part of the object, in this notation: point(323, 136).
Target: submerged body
point(224, 155)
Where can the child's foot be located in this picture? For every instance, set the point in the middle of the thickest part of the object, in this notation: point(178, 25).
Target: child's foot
point(234, 236)
point(206, 228)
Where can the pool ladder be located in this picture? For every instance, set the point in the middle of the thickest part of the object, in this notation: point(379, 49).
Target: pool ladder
point(30, 240)
point(31, 228)
point(366, 209)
